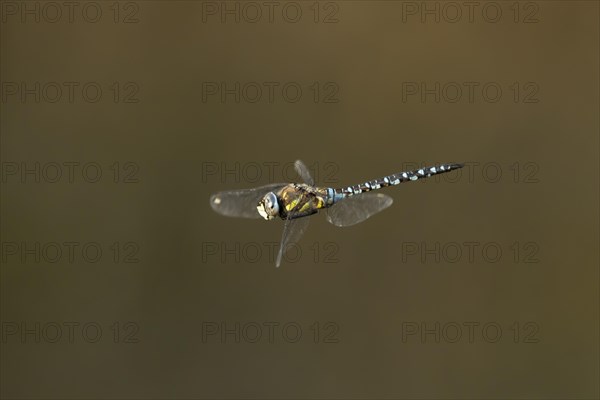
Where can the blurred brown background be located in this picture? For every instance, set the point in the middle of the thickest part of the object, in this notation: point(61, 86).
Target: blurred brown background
point(390, 303)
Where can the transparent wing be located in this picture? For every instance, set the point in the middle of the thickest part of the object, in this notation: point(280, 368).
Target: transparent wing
point(357, 208)
point(292, 232)
point(241, 203)
point(304, 173)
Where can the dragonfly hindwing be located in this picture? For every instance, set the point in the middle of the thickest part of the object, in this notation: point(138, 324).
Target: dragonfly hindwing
point(355, 209)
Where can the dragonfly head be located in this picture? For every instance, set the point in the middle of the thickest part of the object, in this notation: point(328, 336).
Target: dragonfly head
point(268, 208)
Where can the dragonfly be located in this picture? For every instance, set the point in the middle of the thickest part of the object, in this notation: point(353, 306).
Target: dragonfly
point(294, 202)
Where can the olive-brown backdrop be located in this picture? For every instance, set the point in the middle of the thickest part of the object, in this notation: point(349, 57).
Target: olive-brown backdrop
point(120, 119)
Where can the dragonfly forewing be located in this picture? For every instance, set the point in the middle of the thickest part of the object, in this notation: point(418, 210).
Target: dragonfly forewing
point(304, 173)
point(241, 203)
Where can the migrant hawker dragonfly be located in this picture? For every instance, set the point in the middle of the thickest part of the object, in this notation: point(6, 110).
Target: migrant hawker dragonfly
point(292, 202)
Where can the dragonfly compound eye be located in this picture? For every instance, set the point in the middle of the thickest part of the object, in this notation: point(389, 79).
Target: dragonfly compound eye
point(268, 208)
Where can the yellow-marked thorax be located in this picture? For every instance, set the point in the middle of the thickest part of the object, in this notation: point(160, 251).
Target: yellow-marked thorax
point(302, 198)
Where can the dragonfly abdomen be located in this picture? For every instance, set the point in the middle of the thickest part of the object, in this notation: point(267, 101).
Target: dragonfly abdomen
point(393, 180)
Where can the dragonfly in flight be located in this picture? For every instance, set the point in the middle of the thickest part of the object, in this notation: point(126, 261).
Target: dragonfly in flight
point(292, 202)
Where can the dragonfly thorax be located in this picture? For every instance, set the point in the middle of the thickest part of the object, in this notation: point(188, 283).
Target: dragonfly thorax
point(268, 207)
